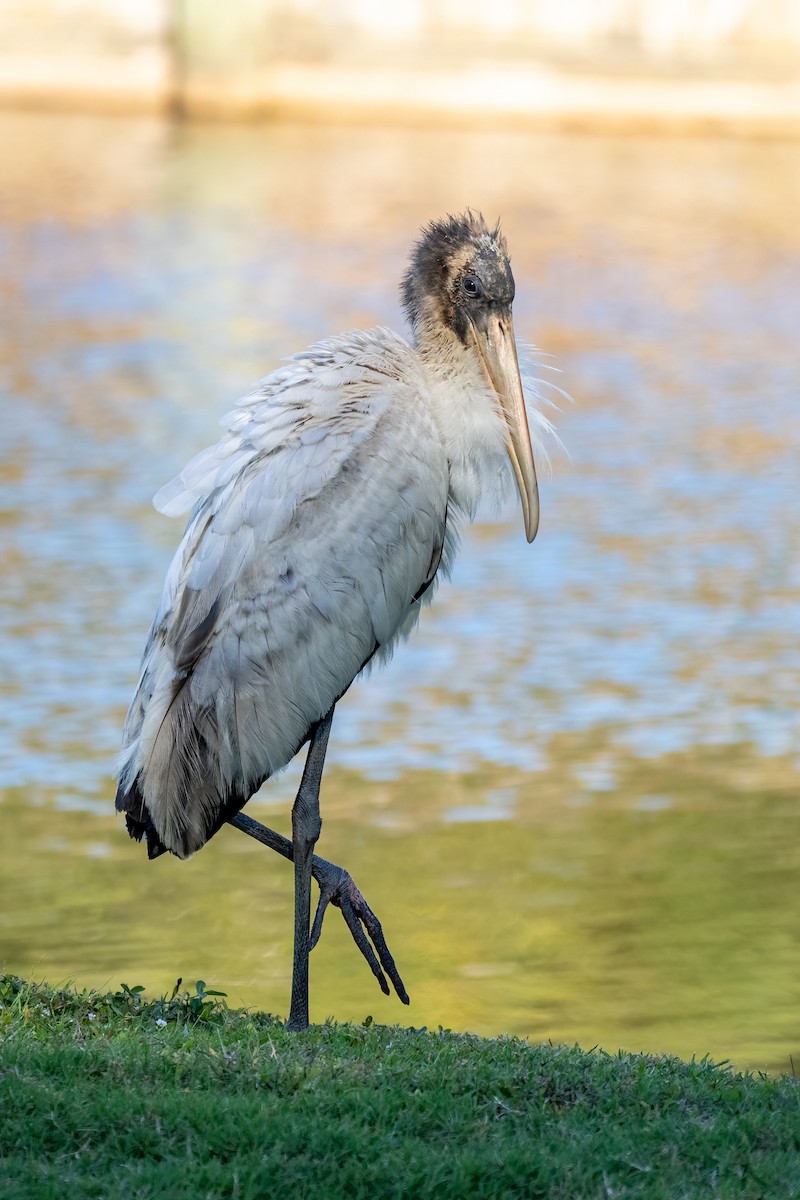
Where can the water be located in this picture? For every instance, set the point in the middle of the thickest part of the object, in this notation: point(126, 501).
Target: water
point(572, 797)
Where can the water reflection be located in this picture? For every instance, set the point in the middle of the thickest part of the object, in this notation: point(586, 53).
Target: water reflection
point(570, 796)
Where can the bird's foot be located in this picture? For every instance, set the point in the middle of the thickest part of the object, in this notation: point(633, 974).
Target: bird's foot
point(337, 887)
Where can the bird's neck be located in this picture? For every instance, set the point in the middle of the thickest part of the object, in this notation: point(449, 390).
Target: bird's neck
point(468, 417)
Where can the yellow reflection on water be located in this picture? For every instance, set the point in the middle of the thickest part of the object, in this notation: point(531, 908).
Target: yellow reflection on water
point(659, 916)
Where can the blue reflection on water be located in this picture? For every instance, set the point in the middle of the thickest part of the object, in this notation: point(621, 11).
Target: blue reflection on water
point(659, 604)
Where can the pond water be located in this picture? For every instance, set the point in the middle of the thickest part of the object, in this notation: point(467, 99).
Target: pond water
point(573, 796)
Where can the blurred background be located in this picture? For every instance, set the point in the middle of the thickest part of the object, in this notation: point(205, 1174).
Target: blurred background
point(723, 62)
point(573, 796)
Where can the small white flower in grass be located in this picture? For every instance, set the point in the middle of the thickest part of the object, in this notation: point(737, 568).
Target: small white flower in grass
point(91, 1016)
point(160, 1022)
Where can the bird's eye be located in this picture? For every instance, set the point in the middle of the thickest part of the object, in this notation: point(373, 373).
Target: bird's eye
point(471, 286)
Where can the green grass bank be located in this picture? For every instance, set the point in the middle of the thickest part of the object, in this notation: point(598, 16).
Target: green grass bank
point(118, 1096)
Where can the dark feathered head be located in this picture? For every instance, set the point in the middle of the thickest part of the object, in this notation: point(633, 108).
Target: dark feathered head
point(458, 268)
point(459, 286)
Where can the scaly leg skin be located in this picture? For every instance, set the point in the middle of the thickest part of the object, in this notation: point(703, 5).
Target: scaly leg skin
point(338, 888)
point(306, 825)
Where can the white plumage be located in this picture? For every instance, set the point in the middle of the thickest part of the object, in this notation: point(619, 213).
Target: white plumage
point(318, 526)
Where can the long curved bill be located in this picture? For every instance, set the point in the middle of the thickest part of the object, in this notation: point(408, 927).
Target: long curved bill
point(495, 341)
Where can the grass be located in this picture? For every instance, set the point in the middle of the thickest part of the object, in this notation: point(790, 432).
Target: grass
point(118, 1096)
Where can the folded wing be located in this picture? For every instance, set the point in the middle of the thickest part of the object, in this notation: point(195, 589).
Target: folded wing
point(318, 522)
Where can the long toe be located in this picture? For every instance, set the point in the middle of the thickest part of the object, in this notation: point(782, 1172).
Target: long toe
point(338, 887)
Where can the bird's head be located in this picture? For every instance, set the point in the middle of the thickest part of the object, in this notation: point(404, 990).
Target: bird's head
point(459, 286)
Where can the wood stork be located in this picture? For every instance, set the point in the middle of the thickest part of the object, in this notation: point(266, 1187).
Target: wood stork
point(319, 526)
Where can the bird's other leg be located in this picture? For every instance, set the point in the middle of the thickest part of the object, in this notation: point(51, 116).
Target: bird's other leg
point(337, 887)
point(306, 825)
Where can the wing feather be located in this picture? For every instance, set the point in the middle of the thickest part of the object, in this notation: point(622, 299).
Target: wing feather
point(317, 522)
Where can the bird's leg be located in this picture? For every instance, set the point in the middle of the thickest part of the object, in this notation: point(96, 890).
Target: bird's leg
point(306, 825)
point(337, 887)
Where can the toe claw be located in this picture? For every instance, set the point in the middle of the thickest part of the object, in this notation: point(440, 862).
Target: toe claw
point(375, 931)
point(316, 928)
point(353, 919)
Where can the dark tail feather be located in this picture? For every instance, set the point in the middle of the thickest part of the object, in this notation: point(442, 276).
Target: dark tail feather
point(137, 818)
